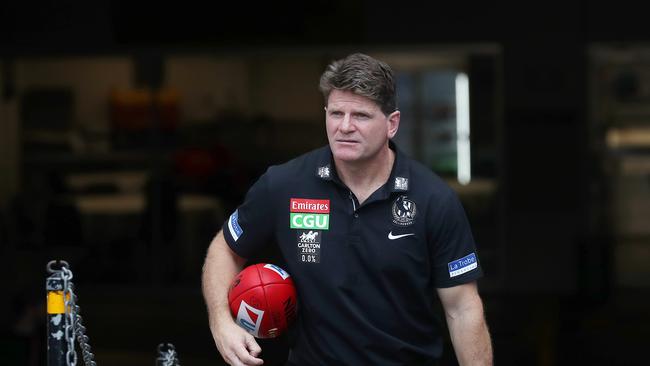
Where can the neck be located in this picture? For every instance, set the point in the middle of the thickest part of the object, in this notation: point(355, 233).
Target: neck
point(363, 178)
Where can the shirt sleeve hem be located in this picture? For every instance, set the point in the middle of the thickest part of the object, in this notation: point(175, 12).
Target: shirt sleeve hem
point(231, 241)
point(460, 281)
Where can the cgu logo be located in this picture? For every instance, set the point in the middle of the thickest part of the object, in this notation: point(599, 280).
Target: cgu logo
point(309, 221)
point(249, 318)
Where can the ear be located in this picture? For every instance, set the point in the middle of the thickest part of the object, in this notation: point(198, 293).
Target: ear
point(393, 124)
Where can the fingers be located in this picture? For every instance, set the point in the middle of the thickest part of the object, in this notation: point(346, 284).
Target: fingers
point(244, 354)
point(248, 355)
point(243, 358)
point(237, 347)
point(253, 348)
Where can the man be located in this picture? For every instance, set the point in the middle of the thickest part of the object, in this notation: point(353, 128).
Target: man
point(386, 234)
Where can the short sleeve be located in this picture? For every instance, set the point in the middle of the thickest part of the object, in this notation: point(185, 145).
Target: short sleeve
point(454, 256)
point(250, 227)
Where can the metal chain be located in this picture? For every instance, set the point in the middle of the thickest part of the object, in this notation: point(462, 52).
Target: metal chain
point(83, 339)
point(168, 357)
point(74, 324)
point(69, 301)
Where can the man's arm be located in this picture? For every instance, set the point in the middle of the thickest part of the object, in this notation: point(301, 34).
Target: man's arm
point(237, 347)
point(467, 327)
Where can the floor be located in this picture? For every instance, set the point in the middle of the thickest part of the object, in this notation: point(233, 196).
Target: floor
point(126, 324)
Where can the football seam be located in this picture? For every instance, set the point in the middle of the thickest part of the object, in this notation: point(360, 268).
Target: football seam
point(266, 300)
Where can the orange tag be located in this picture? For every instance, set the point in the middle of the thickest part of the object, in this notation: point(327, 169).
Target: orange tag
point(55, 302)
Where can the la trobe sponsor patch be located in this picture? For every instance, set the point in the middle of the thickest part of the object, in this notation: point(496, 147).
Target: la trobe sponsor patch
point(462, 265)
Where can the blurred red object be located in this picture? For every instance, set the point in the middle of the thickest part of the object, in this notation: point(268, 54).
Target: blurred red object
point(195, 162)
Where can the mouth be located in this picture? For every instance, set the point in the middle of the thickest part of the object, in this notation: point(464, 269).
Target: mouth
point(347, 142)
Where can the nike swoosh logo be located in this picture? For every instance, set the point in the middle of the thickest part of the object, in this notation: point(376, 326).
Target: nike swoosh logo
point(393, 237)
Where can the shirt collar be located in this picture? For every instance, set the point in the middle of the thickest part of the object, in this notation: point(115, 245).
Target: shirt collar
point(399, 180)
point(324, 169)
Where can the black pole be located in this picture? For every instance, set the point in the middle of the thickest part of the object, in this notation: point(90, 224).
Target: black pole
point(57, 347)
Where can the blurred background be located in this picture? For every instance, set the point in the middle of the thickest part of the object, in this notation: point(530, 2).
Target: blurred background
point(129, 131)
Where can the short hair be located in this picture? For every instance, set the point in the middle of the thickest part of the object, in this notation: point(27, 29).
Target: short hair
point(364, 76)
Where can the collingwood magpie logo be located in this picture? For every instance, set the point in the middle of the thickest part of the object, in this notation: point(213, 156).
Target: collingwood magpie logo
point(404, 211)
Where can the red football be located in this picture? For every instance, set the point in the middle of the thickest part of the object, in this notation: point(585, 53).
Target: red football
point(262, 300)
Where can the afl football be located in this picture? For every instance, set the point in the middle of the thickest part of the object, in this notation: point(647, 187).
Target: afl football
point(262, 299)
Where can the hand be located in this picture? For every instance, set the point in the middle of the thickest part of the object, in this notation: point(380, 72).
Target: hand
point(237, 347)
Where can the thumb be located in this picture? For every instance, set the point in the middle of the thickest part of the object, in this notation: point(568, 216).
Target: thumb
point(252, 346)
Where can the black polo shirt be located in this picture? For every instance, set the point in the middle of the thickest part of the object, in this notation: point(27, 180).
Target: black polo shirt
point(366, 274)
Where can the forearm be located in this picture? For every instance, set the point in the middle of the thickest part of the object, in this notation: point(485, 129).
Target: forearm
point(470, 336)
point(220, 267)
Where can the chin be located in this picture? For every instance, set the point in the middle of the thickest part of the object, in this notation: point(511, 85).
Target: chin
point(345, 156)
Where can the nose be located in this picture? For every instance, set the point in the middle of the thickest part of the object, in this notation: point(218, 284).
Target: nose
point(346, 124)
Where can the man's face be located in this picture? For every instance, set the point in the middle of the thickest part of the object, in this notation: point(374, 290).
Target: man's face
point(357, 129)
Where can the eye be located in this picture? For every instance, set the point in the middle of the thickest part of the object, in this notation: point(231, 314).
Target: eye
point(361, 116)
point(336, 113)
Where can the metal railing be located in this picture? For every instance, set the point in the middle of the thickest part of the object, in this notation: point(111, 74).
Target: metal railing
point(65, 324)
